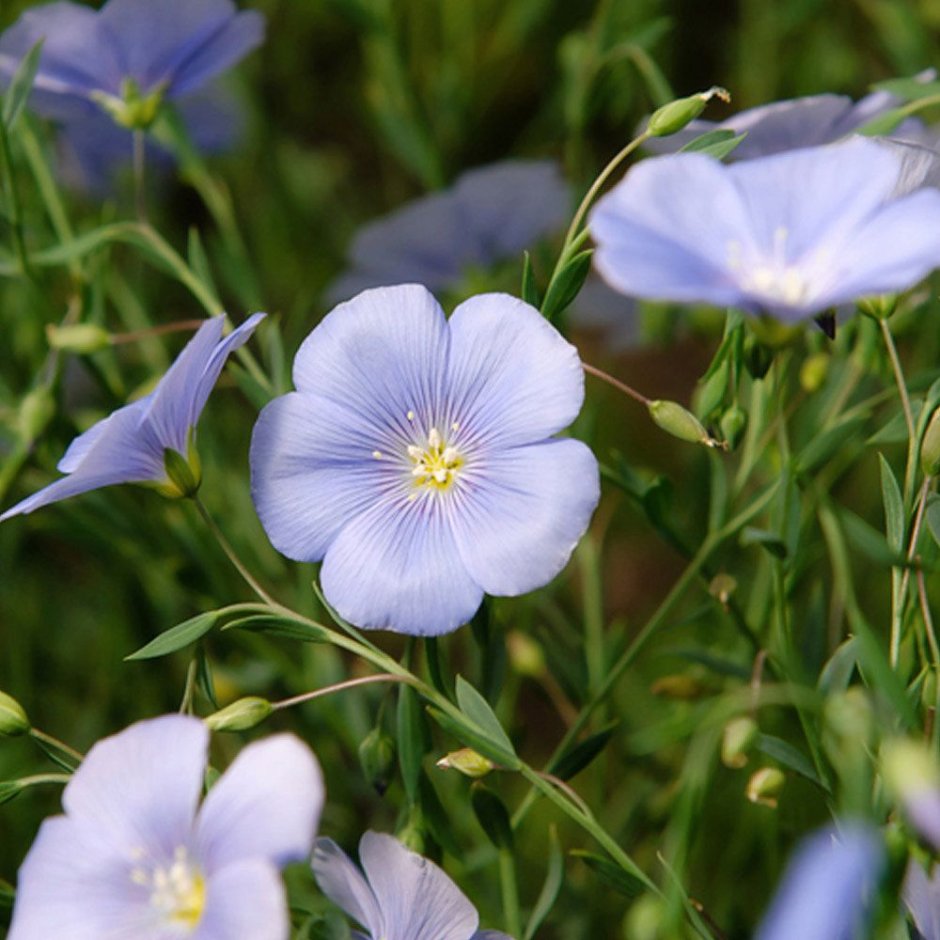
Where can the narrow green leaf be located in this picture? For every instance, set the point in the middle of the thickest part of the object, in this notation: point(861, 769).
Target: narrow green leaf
point(21, 85)
point(825, 444)
point(718, 143)
point(554, 875)
point(439, 824)
point(932, 516)
point(280, 626)
point(893, 505)
point(478, 710)
point(867, 540)
point(412, 737)
point(199, 260)
point(10, 789)
point(909, 89)
point(789, 756)
point(566, 283)
point(837, 673)
point(583, 753)
point(492, 815)
point(612, 875)
point(530, 293)
point(469, 735)
point(767, 540)
point(177, 637)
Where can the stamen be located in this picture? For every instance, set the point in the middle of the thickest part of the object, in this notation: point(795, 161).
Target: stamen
point(435, 466)
point(377, 454)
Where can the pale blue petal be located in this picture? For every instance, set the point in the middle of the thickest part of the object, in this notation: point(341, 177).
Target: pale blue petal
point(75, 883)
point(491, 935)
point(920, 164)
point(827, 888)
point(344, 884)
point(313, 470)
point(922, 898)
point(115, 450)
point(512, 377)
point(417, 899)
point(140, 787)
point(396, 567)
point(522, 512)
point(266, 805)
point(244, 900)
point(178, 400)
point(383, 354)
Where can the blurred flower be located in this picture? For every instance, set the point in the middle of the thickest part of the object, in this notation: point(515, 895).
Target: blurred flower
point(921, 895)
point(128, 56)
point(827, 887)
point(398, 895)
point(788, 235)
point(133, 858)
point(130, 445)
point(912, 776)
point(793, 124)
point(415, 457)
point(491, 213)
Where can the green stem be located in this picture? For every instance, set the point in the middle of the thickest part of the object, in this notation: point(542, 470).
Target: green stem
point(16, 218)
point(140, 163)
point(338, 687)
point(510, 893)
point(911, 467)
point(56, 744)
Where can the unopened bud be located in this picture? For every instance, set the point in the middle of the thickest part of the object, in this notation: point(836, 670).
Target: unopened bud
point(757, 357)
point(240, 715)
point(765, 786)
point(679, 422)
point(525, 654)
point(81, 338)
point(813, 371)
point(681, 686)
point(13, 720)
point(736, 741)
point(733, 424)
point(675, 115)
point(468, 762)
point(377, 759)
point(930, 447)
point(36, 411)
point(646, 919)
point(721, 587)
point(912, 775)
point(879, 308)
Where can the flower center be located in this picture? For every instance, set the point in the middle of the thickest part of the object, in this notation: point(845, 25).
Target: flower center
point(774, 277)
point(435, 465)
point(177, 890)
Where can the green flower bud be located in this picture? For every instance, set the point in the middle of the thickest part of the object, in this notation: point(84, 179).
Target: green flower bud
point(36, 411)
point(813, 371)
point(736, 741)
point(908, 768)
point(930, 447)
point(525, 654)
point(722, 586)
point(757, 357)
point(672, 117)
point(646, 919)
point(879, 308)
point(468, 762)
point(733, 425)
point(240, 715)
point(81, 338)
point(765, 786)
point(183, 474)
point(377, 759)
point(13, 720)
point(679, 422)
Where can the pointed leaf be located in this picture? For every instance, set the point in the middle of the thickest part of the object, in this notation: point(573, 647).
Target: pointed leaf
point(612, 875)
point(566, 283)
point(583, 753)
point(552, 885)
point(893, 505)
point(530, 293)
point(177, 637)
point(412, 739)
point(21, 85)
point(478, 710)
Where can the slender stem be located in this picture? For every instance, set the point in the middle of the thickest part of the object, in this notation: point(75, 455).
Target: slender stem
point(568, 791)
point(56, 744)
point(230, 553)
point(140, 163)
point(906, 406)
point(510, 893)
point(189, 689)
point(340, 687)
point(899, 597)
point(928, 618)
point(180, 326)
point(617, 384)
point(38, 779)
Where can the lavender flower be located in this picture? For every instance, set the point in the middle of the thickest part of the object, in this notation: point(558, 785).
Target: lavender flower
point(129, 56)
point(398, 895)
point(489, 214)
point(921, 895)
point(133, 858)
point(827, 888)
point(415, 457)
point(129, 446)
point(789, 235)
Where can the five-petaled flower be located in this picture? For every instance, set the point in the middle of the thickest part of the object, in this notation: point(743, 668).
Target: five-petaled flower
point(129, 56)
point(131, 445)
point(135, 858)
point(398, 894)
point(789, 235)
point(416, 457)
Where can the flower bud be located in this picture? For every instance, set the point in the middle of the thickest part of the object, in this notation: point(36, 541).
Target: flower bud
point(733, 424)
point(930, 447)
point(675, 115)
point(682, 687)
point(721, 587)
point(679, 422)
point(757, 357)
point(36, 411)
point(525, 654)
point(646, 919)
point(81, 338)
point(240, 715)
point(813, 371)
point(377, 759)
point(765, 786)
point(736, 741)
point(184, 474)
point(468, 762)
point(13, 720)
point(912, 775)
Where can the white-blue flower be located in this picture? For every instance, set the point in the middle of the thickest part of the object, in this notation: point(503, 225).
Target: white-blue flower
point(128, 446)
point(788, 235)
point(416, 457)
point(136, 858)
point(398, 894)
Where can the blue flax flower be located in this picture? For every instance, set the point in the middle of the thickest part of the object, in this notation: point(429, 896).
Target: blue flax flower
point(788, 235)
point(490, 214)
point(129, 445)
point(128, 56)
point(828, 887)
point(415, 457)
point(398, 895)
point(135, 857)
point(921, 895)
